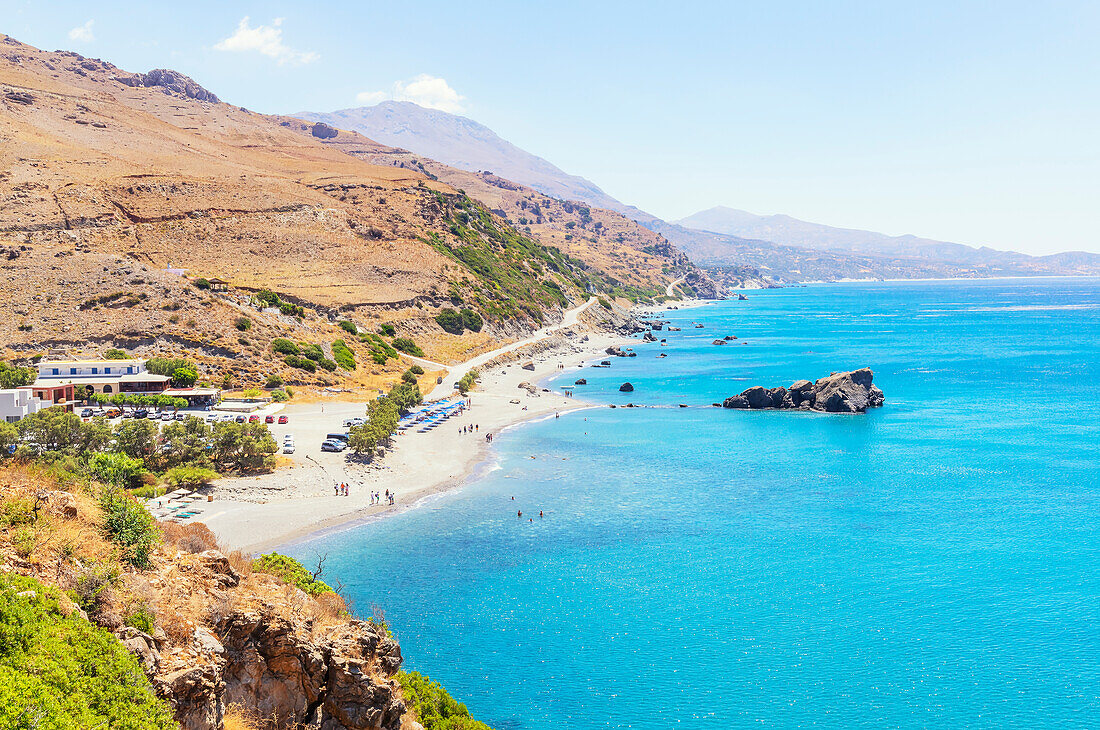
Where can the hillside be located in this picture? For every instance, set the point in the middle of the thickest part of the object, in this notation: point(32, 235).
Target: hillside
point(884, 255)
point(137, 176)
point(631, 259)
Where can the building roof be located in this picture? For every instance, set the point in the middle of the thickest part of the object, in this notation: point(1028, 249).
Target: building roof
point(99, 361)
point(143, 378)
point(184, 392)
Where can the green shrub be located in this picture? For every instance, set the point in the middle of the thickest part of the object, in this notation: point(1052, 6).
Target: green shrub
point(466, 384)
point(279, 396)
point(116, 469)
point(406, 345)
point(273, 381)
point(408, 376)
point(289, 570)
point(115, 354)
point(416, 370)
point(471, 320)
point(449, 320)
point(268, 298)
point(168, 365)
point(291, 310)
point(434, 707)
point(343, 355)
point(349, 327)
point(327, 364)
point(61, 671)
point(202, 283)
point(301, 363)
point(388, 329)
point(244, 324)
point(284, 347)
point(604, 303)
point(129, 525)
point(189, 476)
point(142, 619)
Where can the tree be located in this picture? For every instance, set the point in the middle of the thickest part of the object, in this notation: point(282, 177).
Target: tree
point(95, 436)
point(137, 439)
point(118, 470)
point(243, 447)
point(471, 320)
point(185, 443)
point(168, 365)
point(115, 354)
point(15, 377)
point(52, 430)
point(184, 377)
point(9, 438)
point(449, 320)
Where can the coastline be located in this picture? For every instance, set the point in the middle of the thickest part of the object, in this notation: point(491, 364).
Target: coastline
point(296, 502)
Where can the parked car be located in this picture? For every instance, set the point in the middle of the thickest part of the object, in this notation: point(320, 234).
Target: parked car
point(269, 419)
point(141, 413)
point(127, 414)
point(212, 418)
point(114, 412)
point(288, 447)
point(341, 437)
point(181, 416)
point(253, 419)
point(166, 416)
point(283, 419)
point(86, 413)
point(99, 411)
point(331, 445)
point(240, 419)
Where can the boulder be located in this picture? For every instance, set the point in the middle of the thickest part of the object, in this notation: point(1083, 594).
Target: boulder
point(626, 388)
point(529, 365)
point(580, 381)
point(718, 342)
point(323, 131)
point(648, 337)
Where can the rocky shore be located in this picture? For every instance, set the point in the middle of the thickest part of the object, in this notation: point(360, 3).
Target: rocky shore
point(849, 392)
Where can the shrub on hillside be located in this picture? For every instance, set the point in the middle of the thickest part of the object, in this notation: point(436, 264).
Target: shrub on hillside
point(189, 476)
point(289, 570)
point(349, 327)
point(343, 355)
point(466, 384)
point(388, 330)
point(61, 671)
point(115, 354)
point(416, 370)
point(129, 525)
point(15, 377)
point(301, 363)
point(450, 321)
point(434, 707)
point(202, 284)
point(406, 345)
point(273, 381)
point(471, 320)
point(244, 324)
point(279, 396)
point(284, 347)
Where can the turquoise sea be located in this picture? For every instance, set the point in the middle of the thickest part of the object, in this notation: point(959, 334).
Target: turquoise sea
point(935, 563)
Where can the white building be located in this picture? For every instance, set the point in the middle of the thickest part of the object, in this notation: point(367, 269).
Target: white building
point(101, 376)
point(17, 403)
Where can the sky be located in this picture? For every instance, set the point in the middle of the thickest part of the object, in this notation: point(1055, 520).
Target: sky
point(973, 122)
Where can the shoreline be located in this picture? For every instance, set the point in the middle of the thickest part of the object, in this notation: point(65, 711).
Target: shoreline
point(296, 503)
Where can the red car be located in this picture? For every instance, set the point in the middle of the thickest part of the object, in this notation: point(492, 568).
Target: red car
point(282, 419)
point(269, 419)
point(253, 419)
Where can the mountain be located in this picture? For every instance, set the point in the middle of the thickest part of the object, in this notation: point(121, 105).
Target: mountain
point(784, 230)
point(114, 183)
point(461, 142)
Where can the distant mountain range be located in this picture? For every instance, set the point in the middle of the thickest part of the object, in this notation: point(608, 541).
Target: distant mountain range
point(785, 249)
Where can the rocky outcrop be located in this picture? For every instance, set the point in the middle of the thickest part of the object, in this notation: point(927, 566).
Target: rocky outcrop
point(850, 392)
point(323, 131)
point(648, 337)
point(170, 82)
point(626, 388)
point(580, 381)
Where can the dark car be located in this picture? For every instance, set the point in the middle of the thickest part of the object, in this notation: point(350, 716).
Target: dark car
point(283, 419)
point(141, 413)
point(240, 419)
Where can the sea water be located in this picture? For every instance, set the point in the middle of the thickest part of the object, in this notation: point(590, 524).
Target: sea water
point(934, 563)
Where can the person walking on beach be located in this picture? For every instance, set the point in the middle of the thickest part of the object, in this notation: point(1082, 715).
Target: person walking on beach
point(336, 490)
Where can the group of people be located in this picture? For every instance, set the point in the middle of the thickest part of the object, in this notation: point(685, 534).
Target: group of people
point(342, 490)
point(489, 438)
point(469, 429)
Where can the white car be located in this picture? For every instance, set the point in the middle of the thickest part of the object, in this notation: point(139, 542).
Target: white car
point(288, 447)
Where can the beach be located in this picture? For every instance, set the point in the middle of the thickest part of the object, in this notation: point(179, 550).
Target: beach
point(259, 513)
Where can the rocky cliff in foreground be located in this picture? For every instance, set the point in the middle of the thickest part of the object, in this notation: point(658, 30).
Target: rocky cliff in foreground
point(850, 392)
point(223, 640)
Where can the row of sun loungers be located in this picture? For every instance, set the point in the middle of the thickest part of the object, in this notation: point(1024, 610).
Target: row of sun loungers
point(176, 506)
point(429, 417)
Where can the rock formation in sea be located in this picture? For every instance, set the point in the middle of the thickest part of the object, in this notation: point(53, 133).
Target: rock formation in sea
point(849, 392)
point(626, 388)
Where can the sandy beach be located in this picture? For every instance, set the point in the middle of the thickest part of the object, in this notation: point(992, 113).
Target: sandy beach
point(258, 514)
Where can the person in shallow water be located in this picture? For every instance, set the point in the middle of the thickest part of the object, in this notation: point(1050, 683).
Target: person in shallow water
point(519, 513)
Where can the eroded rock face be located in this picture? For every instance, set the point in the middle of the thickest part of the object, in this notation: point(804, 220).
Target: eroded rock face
point(850, 392)
point(170, 82)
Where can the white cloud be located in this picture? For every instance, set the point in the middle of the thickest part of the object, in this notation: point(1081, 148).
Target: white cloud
point(265, 39)
point(427, 91)
point(82, 33)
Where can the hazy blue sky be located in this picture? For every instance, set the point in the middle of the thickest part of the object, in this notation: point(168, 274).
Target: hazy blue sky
point(965, 121)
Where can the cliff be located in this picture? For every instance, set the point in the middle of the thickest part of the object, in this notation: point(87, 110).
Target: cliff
point(218, 636)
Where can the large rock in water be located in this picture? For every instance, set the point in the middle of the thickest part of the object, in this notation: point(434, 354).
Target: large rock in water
point(626, 388)
point(851, 392)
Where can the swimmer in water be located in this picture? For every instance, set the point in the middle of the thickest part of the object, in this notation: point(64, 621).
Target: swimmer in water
point(519, 513)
